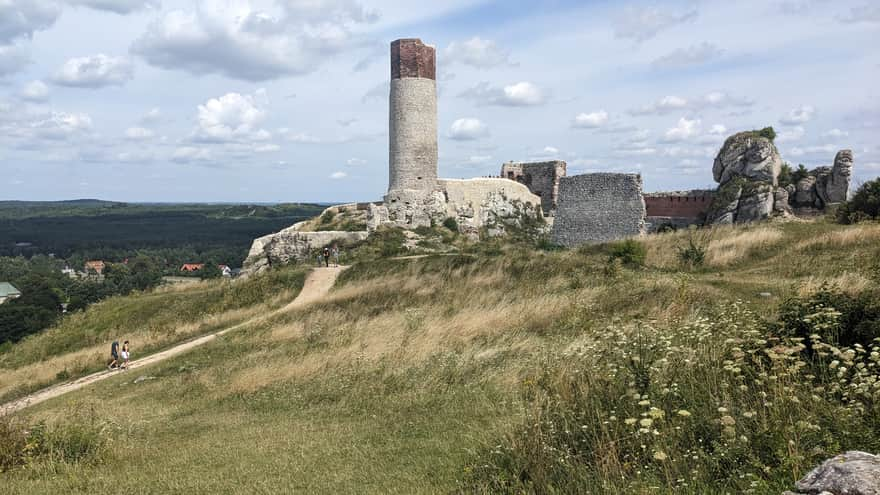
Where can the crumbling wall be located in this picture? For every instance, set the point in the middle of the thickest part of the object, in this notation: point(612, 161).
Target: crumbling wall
point(599, 207)
point(477, 203)
point(542, 178)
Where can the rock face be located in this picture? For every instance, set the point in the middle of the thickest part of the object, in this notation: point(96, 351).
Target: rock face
point(599, 207)
point(833, 187)
point(490, 203)
point(291, 244)
point(747, 170)
point(747, 155)
point(852, 473)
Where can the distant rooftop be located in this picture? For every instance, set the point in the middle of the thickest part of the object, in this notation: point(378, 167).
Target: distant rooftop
point(7, 290)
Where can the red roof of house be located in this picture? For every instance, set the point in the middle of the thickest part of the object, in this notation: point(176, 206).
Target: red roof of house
point(192, 267)
point(97, 265)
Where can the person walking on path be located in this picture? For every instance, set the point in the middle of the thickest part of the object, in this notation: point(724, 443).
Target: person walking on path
point(335, 252)
point(114, 355)
point(327, 257)
point(125, 355)
point(320, 259)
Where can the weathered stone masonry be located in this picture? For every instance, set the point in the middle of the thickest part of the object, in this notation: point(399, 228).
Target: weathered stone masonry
point(599, 207)
point(542, 178)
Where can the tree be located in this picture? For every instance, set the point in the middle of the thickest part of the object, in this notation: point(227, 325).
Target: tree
point(864, 205)
point(210, 270)
point(768, 132)
point(36, 291)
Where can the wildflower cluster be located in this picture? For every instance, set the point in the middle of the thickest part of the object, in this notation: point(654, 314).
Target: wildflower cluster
point(712, 402)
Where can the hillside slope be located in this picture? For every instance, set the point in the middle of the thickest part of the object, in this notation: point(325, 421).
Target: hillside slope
point(485, 372)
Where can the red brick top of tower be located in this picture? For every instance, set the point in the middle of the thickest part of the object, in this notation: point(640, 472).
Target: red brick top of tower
point(412, 58)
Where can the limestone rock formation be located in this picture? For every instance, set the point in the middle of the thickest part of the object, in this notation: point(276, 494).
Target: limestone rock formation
point(852, 473)
point(747, 170)
point(833, 187)
point(747, 155)
point(292, 244)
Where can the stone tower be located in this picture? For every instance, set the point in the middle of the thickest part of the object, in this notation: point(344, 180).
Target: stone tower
point(412, 123)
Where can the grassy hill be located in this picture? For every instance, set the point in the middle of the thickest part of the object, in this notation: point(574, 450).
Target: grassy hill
point(503, 369)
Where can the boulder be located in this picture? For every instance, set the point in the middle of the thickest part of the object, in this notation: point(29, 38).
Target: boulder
point(747, 155)
point(852, 473)
point(805, 191)
point(780, 202)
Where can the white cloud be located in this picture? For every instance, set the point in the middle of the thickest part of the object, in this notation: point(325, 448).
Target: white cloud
point(662, 106)
point(300, 137)
point(120, 7)
point(718, 130)
point(267, 148)
point(721, 99)
point(35, 91)
point(520, 94)
point(338, 175)
point(58, 126)
point(232, 117)
point(354, 162)
point(240, 40)
point(643, 23)
point(685, 129)
point(190, 154)
point(868, 13)
point(19, 19)
point(793, 134)
point(13, 58)
point(812, 150)
point(590, 120)
point(835, 133)
point(550, 150)
point(687, 57)
point(468, 129)
point(476, 52)
point(94, 71)
point(138, 133)
point(152, 116)
point(799, 115)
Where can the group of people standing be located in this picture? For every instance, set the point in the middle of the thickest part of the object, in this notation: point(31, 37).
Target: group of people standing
point(115, 361)
point(325, 254)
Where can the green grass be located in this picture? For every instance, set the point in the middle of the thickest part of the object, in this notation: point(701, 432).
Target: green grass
point(463, 373)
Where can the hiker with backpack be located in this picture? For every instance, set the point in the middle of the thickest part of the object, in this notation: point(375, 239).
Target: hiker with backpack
point(114, 355)
point(326, 254)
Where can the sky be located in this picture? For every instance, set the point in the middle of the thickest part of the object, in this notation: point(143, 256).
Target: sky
point(287, 100)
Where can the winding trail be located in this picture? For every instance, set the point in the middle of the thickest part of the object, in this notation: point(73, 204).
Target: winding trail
point(317, 284)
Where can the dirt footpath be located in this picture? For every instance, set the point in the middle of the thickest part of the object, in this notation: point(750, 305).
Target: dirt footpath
point(317, 285)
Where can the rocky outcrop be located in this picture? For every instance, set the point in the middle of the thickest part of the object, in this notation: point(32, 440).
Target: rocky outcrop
point(291, 244)
point(747, 155)
point(747, 170)
point(852, 473)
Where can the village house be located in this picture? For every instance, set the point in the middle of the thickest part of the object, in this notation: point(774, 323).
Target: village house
point(95, 267)
point(8, 292)
point(192, 267)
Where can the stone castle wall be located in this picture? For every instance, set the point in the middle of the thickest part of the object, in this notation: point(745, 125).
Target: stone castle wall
point(677, 208)
point(599, 207)
point(476, 203)
point(542, 178)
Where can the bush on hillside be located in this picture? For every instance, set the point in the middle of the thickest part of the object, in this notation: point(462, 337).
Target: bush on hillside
point(838, 318)
point(864, 205)
point(82, 438)
point(451, 223)
point(693, 253)
point(630, 252)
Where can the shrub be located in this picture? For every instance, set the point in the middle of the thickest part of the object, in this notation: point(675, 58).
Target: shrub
point(80, 439)
point(630, 252)
point(838, 318)
point(864, 205)
point(693, 254)
point(451, 224)
point(767, 132)
point(327, 217)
